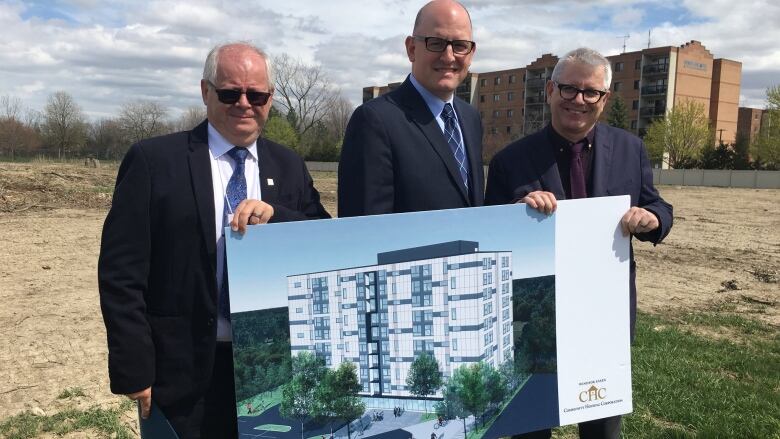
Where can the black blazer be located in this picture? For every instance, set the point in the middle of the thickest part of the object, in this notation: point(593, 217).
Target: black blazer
point(620, 167)
point(157, 266)
point(395, 158)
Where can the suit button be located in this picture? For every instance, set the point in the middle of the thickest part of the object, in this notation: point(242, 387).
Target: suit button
point(211, 321)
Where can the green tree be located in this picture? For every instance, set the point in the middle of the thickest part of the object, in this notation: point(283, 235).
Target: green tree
point(337, 395)
point(617, 116)
point(279, 130)
point(451, 405)
point(680, 137)
point(299, 395)
point(424, 376)
point(766, 148)
point(469, 388)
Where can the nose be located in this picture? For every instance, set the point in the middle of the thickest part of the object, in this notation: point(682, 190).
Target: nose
point(243, 101)
point(579, 98)
point(448, 54)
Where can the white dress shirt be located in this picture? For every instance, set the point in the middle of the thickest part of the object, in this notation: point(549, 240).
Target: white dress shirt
point(222, 166)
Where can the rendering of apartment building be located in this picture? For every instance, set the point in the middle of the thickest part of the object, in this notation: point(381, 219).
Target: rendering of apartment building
point(512, 103)
point(451, 300)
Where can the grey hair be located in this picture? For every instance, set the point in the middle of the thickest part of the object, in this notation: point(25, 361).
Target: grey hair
point(212, 60)
point(584, 55)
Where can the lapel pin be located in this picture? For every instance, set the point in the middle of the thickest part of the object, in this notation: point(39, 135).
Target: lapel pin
point(270, 181)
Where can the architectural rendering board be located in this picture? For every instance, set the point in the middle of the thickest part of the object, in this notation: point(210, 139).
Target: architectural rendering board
point(494, 320)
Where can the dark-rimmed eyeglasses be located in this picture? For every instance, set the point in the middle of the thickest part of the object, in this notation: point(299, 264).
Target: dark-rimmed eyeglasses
point(230, 97)
point(436, 44)
point(589, 95)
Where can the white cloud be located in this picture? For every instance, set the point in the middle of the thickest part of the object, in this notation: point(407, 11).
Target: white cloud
point(109, 53)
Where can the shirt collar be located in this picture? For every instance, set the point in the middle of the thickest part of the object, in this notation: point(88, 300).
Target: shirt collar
point(219, 146)
point(433, 102)
point(559, 141)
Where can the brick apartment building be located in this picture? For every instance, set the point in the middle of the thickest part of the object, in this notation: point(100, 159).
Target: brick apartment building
point(749, 122)
point(512, 102)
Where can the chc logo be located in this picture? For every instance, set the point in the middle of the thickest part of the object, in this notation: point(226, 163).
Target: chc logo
point(593, 394)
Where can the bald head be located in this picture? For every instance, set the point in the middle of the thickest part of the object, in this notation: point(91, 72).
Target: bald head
point(437, 8)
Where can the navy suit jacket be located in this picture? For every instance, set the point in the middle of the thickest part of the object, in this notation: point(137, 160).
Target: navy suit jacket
point(157, 266)
point(395, 158)
point(620, 167)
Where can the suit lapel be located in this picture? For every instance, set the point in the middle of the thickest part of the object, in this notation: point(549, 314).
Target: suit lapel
point(602, 161)
point(546, 166)
point(421, 115)
point(200, 175)
point(269, 178)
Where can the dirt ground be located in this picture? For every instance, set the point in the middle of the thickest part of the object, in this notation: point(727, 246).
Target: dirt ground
point(723, 254)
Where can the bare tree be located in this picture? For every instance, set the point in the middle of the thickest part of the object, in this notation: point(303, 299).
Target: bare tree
point(303, 92)
point(338, 116)
point(105, 139)
point(143, 119)
point(190, 118)
point(10, 125)
point(64, 124)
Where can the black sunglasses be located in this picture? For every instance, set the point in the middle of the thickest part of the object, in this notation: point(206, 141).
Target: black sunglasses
point(436, 44)
point(230, 97)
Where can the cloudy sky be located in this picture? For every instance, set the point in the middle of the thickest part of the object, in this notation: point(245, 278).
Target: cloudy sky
point(107, 53)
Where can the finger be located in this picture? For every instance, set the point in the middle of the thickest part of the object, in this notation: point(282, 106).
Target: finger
point(146, 405)
point(624, 222)
point(266, 214)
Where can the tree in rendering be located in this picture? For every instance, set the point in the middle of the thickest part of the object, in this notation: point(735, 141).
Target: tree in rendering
point(337, 395)
point(299, 395)
point(424, 377)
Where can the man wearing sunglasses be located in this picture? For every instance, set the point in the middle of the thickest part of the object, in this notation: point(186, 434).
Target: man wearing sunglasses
point(162, 268)
point(576, 156)
point(418, 147)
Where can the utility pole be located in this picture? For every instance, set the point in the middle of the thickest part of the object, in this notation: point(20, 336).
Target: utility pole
point(720, 133)
point(648, 37)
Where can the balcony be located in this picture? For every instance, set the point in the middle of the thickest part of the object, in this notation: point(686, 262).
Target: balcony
point(654, 90)
point(652, 111)
point(534, 100)
point(655, 69)
point(536, 82)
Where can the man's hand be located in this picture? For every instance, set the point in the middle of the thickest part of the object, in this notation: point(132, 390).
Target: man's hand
point(542, 201)
point(250, 212)
point(144, 397)
point(638, 220)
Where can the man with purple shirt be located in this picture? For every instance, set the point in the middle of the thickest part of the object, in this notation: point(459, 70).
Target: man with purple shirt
point(576, 156)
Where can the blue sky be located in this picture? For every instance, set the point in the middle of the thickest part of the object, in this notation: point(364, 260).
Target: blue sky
point(108, 53)
point(260, 261)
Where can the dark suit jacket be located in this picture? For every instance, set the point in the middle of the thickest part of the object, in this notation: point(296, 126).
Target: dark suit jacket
point(157, 267)
point(395, 158)
point(620, 167)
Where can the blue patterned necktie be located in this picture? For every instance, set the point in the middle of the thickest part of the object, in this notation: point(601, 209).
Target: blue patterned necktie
point(452, 133)
point(235, 194)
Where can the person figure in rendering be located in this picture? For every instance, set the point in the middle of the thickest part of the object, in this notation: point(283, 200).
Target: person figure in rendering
point(162, 272)
point(576, 156)
point(418, 147)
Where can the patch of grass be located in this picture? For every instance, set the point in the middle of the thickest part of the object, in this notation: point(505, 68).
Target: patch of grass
point(106, 422)
point(274, 427)
point(689, 386)
point(260, 403)
point(71, 392)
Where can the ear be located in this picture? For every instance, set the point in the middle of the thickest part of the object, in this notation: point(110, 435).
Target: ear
point(204, 90)
point(549, 88)
point(606, 97)
point(410, 44)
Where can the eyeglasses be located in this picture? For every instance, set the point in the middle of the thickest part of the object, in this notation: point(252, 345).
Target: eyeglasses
point(589, 95)
point(230, 97)
point(436, 44)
